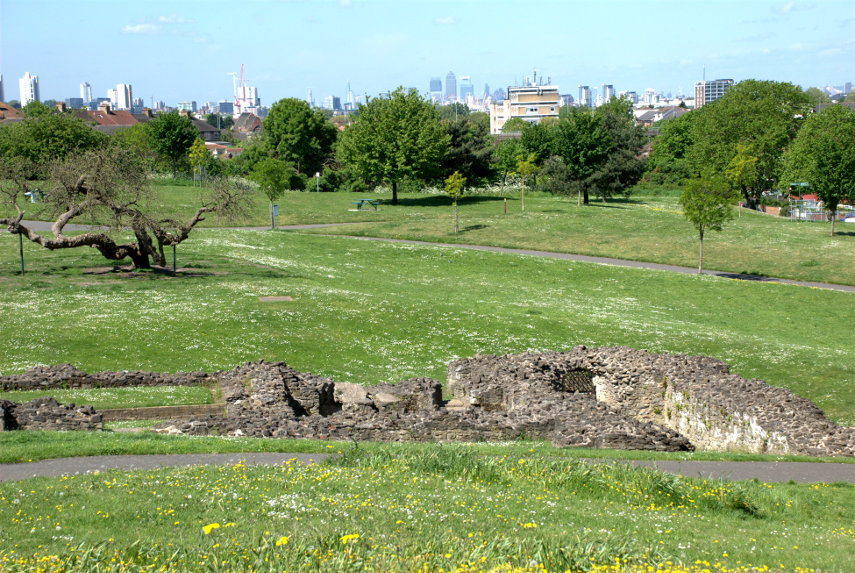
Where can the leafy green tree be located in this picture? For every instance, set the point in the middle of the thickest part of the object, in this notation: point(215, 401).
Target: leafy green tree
point(505, 156)
point(707, 203)
point(823, 154)
point(393, 138)
point(816, 96)
point(274, 177)
point(583, 145)
point(762, 115)
point(36, 109)
point(220, 121)
point(555, 176)
point(526, 167)
point(623, 166)
point(668, 160)
point(136, 139)
point(515, 124)
point(44, 136)
point(741, 172)
point(297, 134)
point(454, 185)
point(537, 138)
point(172, 135)
point(199, 158)
point(454, 111)
point(470, 148)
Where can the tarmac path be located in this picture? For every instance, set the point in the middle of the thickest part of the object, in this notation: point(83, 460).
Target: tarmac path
point(769, 472)
point(42, 226)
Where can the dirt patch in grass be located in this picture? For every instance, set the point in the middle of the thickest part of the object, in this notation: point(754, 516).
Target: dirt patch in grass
point(275, 298)
point(128, 272)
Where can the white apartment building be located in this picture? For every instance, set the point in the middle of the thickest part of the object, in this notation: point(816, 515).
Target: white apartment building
point(530, 103)
point(29, 88)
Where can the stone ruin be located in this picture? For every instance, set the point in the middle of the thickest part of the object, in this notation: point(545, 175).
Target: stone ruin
point(594, 397)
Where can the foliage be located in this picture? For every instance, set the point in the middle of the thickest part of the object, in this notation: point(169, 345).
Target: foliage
point(136, 139)
point(526, 167)
point(764, 116)
point(225, 121)
point(506, 154)
point(171, 136)
point(199, 155)
point(454, 111)
point(536, 139)
point(554, 176)
point(514, 125)
point(816, 95)
point(823, 154)
point(454, 185)
point(274, 177)
point(470, 148)
point(584, 146)
point(707, 203)
point(44, 136)
point(623, 166)
point(297, 134)
point(393, 138)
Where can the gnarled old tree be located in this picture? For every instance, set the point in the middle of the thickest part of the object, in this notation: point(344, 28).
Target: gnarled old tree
point(108, 189)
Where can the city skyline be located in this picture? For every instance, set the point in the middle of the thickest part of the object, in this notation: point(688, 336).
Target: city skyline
point(175, 52)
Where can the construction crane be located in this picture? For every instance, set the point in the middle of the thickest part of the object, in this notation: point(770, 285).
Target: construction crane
point(238, 85)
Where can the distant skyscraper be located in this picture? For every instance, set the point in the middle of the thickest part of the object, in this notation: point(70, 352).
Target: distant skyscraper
point(2, 98)
point(706, 92)
point(124, 97)
point(74, 102)
point(467, 89)
point(486, 90)
point(650, 96)
point(451, 86)
point(350, 102)
point(29, 88)
point(586, 97)
point(310, 99)
point(608, 92)
point(436, 89)
point(85, 92)
point(631, 96)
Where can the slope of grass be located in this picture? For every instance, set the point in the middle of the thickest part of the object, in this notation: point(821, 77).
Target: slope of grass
point(371, 312)
point(104, 398)
point(431, 508)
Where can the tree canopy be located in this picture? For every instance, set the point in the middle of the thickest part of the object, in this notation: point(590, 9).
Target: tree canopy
point(823, 154)
point(707, 203)
point(171, 136)
point(393, 138)
point(297, 134)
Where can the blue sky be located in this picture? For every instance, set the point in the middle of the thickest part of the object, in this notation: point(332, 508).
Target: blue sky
point(180, 50)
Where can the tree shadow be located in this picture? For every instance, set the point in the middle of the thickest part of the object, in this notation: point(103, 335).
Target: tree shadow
point(474, 227)
point(439, 201)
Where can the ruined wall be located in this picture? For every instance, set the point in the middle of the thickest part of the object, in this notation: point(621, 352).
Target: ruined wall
point(47, 414)
point(67, 376)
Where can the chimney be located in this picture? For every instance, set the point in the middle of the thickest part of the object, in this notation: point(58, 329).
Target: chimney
point(60, 107)
point(104, 107)
point(147, 112)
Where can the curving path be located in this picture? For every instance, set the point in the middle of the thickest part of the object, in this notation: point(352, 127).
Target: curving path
point(802, 472)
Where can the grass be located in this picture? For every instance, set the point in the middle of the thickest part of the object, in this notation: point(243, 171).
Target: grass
point(104, 398)
point(425, 508)
point(394, 311)
point(19, 447)
point(649, 227)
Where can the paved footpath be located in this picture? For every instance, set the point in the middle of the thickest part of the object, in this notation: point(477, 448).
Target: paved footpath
point(803, 472)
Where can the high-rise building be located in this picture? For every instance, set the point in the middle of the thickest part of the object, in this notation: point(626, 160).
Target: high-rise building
point(310, 99)
point(225, 107)
point(630, 95)
point(187, 105)
point(2, 98)
point(586, 96)
point(530, 102)
point(451, 87)
point(28, 85)
point(650, 96)
point(706, 92)
point(436, 89)
point(332, 103)
point(74, 102)
point(85, 92)
point(467, 89)
point(350, 103)
point(124, 97)
point(608, 92)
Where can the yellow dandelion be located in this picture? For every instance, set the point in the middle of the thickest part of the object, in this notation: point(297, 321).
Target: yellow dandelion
point(210, 527)
point(352, 537)
point(281, 541)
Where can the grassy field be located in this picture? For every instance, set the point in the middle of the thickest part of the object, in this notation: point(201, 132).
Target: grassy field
point(425, 508)
point(370, 312)
point(104, 398)
point(649, 227)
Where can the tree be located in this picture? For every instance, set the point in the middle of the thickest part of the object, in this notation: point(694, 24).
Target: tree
point(623, 166)
point(274, 177)
point(299, 135)
point(470, 148)
point(454, 111)
point(514, 125)
point(44, 136)
point(582, 144)
point(172, 135)
point(505, 155)
point(555, 176)
point(454, 185)
point(394, 137)
point(816, 95)
point(199, 159)
point(823, 154)
point(526, 167)
point(219, 120)
point(109, 187)
point(668, 160)
point(762, 115)
point(707, 204)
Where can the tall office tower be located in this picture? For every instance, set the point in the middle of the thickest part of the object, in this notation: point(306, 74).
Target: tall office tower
point(29, 88)
point(467, 90)
point(650, 96)
point(486, 89)
point(451, 87)
point(124, 96)
point(630, 95)
point(310, 99)
point(2, 98)
point(435, 89)
point(85, 92)
point(113, 96)
point(608, 92)
point(586, 97)
point(706, 92)
point(351, 101)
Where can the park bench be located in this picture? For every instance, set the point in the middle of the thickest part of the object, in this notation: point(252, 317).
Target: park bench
point(365, 202)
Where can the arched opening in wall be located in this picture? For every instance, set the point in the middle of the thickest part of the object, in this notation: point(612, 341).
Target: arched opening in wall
point(576, 381)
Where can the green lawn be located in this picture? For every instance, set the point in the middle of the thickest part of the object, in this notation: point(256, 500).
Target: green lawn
point(104, 398)
point(370, 312)
point(423, 508)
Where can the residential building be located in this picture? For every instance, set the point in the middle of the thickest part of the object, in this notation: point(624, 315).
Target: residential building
point(650, 96)
point(187, 106)
point(451, 87)
point(74, 102)
point(608, 92)
point(706, 92)
point(531, 103)
point(586, 96)
point(648, 117)
point(630, 95)
point(28, 86)
point(85, 92)
point(124, 97)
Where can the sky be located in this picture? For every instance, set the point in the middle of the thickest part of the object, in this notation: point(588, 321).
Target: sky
point(184, 50)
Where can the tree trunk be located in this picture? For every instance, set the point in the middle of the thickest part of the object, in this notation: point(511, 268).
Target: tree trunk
point(522, 196)
point(456, 219)
point(394, 192)
point(585, 198)
point(833, 216)
point(272, 218)
point(701, 252)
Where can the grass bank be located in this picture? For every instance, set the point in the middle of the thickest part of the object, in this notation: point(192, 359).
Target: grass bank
point(430, 508)
point(104, 398)
point(371, 312)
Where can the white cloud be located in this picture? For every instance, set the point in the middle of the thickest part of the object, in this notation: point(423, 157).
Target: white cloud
point(446, 21)
point(345, 3)
point(173, 19)
point(141, 29)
